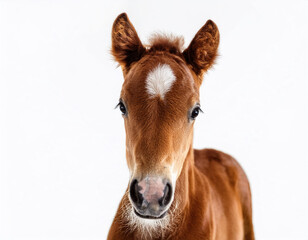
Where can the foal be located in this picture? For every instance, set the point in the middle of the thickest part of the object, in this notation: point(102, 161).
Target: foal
point(174, 191)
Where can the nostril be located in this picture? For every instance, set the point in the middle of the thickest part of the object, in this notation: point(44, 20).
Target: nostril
point(165, 200)
point(135, 195)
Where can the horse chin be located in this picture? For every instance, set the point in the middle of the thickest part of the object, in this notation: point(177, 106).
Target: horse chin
point(149, 228)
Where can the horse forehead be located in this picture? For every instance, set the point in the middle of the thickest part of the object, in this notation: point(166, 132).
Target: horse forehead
point(158, 78)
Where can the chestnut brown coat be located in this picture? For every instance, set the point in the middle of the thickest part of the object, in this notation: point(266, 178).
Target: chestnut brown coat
point(174, 191)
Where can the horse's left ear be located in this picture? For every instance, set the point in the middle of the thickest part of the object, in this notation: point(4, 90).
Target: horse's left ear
point(202, 51)
point(126, 45)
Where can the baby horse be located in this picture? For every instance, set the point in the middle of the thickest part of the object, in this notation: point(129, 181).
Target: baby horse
point(174, 191)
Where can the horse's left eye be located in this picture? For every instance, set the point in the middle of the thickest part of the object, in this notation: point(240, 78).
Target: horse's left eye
point(195, 112)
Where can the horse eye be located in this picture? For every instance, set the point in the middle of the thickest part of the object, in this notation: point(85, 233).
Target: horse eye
point(122, 107)
point(195, 112)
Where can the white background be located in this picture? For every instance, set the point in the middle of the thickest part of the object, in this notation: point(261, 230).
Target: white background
point(62, 159)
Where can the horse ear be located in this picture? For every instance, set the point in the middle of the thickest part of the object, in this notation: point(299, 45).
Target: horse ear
point(202, 51)
point(126, 45)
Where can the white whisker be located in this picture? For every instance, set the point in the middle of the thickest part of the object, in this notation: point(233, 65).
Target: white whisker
point(149, 228)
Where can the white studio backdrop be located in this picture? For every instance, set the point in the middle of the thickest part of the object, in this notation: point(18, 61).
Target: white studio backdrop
point(62, 144)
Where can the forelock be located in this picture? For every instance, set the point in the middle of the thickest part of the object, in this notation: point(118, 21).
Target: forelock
point(166, 42)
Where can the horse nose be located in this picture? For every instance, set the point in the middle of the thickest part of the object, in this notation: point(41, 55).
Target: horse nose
point(151, 195)
point(165, 200)
point(135, 195)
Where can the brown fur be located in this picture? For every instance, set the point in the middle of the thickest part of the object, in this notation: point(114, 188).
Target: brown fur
point(212, 197)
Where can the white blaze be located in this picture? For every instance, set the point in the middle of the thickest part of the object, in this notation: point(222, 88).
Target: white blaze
point(160, 80)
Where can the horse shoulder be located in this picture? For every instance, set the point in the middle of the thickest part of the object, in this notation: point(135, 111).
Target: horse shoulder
point(230, 187)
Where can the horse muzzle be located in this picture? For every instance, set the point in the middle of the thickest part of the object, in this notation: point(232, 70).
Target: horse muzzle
point(151, 197)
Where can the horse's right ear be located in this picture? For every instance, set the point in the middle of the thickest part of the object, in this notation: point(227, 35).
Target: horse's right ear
point(126, 45)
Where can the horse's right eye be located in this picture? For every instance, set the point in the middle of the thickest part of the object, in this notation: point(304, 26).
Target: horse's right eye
point(122, 107)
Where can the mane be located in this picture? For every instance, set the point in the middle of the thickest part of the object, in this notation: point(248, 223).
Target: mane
point(166, 42)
